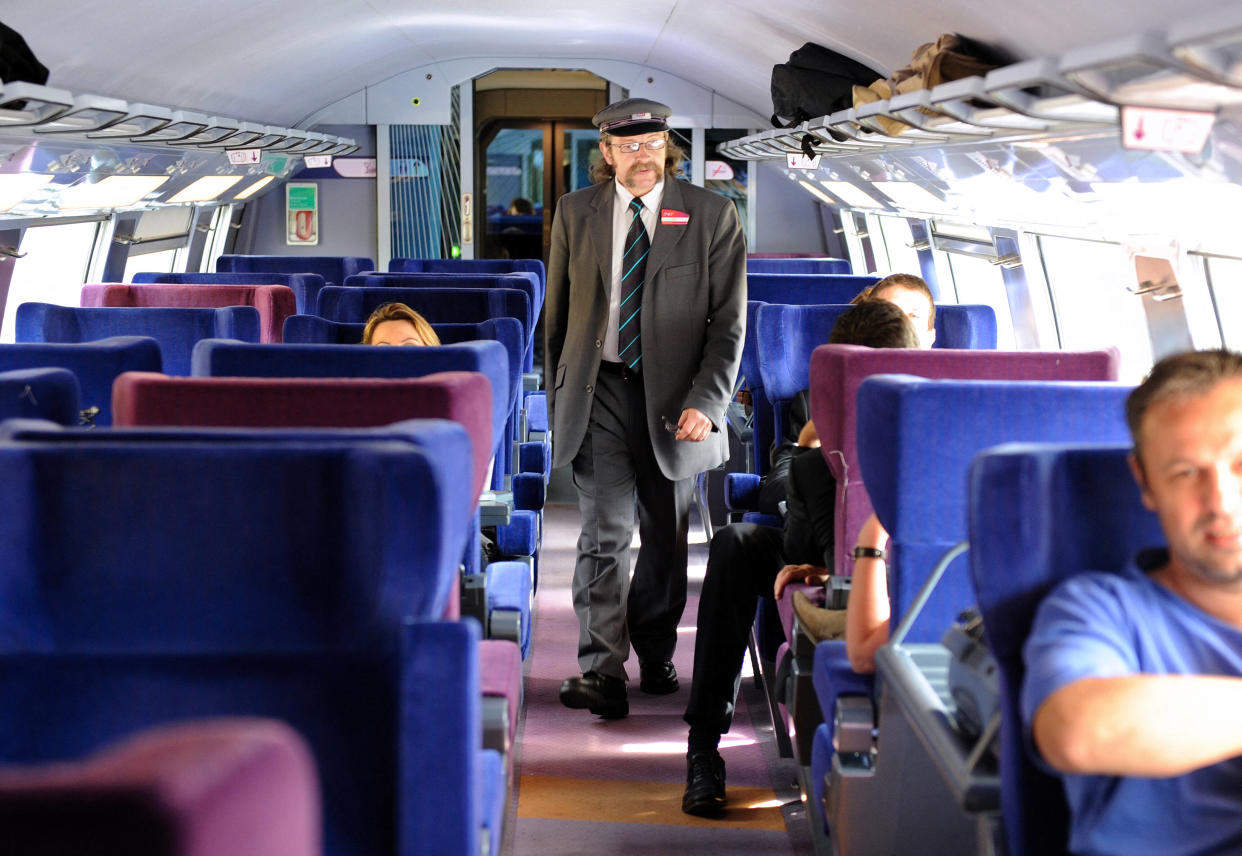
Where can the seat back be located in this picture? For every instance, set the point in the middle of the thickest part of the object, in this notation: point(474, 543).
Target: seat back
point(306, 286)
point(39, 394)
point(522, 281)
point(271, 578)
point(221, 358)
point(274, 302)
point(95, 364)
point(805, 288)
point(788, 334)
point(176, 330)
point(534, 266)
point(146, 399)
point(333, 269)
point(1039, 514)
point(916, 439)
point(146, 794)
point(838, 370)
point(798, 265)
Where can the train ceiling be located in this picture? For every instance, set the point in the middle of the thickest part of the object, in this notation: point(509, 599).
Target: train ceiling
point(279, 62)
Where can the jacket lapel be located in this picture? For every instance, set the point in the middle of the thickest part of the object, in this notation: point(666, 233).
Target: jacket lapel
point(666, 236)
point(599, 226)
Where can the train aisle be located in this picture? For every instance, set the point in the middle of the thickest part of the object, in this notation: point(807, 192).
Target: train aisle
point(586, 785)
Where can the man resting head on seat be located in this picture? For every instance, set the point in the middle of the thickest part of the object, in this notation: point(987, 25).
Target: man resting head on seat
point(398, 324)
point(915, 298)
point(1133, 686)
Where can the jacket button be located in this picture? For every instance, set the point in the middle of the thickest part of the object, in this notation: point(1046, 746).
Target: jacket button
point(590, 388)
point(598, 343)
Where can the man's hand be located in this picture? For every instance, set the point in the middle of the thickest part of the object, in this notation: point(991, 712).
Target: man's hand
point(693, 426)
point(796, 574)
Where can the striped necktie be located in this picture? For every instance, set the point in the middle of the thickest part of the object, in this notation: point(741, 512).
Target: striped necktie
point(633, 268)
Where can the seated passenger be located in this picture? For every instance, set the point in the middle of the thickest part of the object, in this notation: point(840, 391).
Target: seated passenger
point(521, 205)
point(398, 324)
point(746, 561)
point(1134, 681)
point(914, 297)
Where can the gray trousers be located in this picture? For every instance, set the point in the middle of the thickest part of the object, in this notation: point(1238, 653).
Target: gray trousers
point(614, 465)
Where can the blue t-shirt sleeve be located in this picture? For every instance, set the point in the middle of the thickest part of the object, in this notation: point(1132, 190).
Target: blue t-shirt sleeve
point(1083, 629)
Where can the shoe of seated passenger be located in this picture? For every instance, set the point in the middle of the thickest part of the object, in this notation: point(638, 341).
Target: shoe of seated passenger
point(705, 783)
point(603, 695)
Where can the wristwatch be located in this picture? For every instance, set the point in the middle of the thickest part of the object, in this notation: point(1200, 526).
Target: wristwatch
point(869, 553)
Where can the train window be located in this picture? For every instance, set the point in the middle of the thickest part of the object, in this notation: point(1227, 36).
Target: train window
point(217, 237)
point(1225, 279)
point(52, 271)
point(1092, 306)
point(977, 280)
point(853, 241)
point(724, 175)
point(897, 240)
point(163, 261)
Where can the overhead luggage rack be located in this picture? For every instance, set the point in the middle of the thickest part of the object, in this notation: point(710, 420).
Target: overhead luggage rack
point(1196, 66)
point(47, 110)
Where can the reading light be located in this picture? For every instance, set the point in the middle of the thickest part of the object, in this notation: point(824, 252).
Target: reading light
point(115, 191)
point(205, 189)
point(818, 194)
point(254, 188)
point(15, 188)
point(850, 195)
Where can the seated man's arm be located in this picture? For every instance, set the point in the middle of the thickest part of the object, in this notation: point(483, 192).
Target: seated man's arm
point(1140, 725)
point(866, 616)
point(1092, 705)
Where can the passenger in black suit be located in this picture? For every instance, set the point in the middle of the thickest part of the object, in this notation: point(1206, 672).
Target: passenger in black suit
point(747, 561)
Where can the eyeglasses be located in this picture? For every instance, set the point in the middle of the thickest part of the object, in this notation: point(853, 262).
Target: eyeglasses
point(630, 148)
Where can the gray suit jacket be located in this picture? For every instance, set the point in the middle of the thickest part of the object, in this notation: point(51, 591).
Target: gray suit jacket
point(693, 319)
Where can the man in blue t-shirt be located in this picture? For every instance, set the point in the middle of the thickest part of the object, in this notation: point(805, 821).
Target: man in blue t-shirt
point(1133, 688)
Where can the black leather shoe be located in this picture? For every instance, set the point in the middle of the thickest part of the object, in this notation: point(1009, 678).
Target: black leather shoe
point(705, 784)
point(602, 695)
point(658, 677)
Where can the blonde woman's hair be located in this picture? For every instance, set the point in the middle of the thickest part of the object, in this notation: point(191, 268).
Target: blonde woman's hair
point(399, 312)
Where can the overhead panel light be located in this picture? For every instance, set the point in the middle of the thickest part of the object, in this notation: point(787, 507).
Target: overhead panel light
point(819, 194)
point(911, 196)
point(206, 189)
point(16, 188)
point(116, 191)
point(851, 195)
point(246, 193)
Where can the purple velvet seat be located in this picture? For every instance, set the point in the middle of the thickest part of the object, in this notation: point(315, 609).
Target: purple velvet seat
point(146, 398)
point(274, 302)
point(838, 370)
point(242, 786)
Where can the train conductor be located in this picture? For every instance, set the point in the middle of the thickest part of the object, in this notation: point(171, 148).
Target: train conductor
point(646, 314)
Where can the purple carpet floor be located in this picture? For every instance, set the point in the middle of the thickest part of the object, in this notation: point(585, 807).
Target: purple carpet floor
point(587, 785)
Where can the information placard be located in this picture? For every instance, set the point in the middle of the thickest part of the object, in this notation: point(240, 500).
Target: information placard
point(302, 213)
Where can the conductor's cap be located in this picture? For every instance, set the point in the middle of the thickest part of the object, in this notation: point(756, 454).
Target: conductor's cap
point(632, 117)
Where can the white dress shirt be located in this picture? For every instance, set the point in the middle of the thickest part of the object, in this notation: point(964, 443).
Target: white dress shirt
point(620, 228)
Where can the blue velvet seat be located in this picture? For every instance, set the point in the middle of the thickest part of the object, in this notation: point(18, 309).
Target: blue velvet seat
point(333, 269)
point(95, 364)
point(175, 329)
point(805, 287)
point(917, 438)
point(39, 394)
point(527, 283)
point(1038, 514)
point(799, 265)
point(208, 609)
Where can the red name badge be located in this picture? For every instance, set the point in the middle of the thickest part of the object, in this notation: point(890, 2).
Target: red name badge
point(673, 217)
